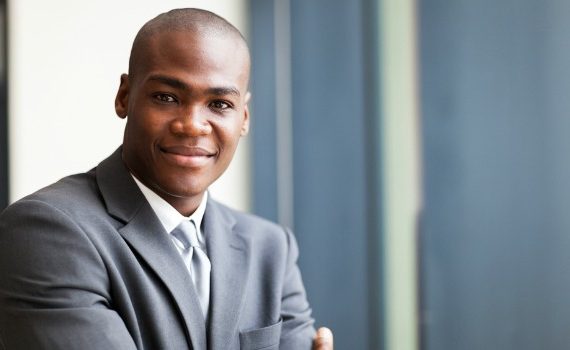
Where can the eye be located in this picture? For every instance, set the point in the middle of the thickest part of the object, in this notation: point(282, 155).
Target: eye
point(220, 105)
point(164, 98)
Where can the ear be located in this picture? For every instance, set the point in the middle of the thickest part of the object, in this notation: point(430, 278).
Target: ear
point(245, 124)
point(122, 99)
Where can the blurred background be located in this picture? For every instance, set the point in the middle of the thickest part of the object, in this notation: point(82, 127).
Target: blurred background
point(417, 149)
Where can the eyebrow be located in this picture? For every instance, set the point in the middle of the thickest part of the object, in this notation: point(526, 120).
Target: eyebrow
point(172, 82)
point(178, 84)
point(220, 91)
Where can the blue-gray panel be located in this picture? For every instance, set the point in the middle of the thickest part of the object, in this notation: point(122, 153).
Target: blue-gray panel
point(330, 165)
point(263, 109)
point(495, 245)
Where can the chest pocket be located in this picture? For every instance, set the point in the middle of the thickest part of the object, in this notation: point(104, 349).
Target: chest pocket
point(266, 338)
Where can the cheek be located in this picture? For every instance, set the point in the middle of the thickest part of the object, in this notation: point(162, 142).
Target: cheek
point(143, 130)
point(230, 136)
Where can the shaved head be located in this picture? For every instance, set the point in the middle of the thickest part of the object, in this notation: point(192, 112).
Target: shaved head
point(196, 21)
point(186, 103)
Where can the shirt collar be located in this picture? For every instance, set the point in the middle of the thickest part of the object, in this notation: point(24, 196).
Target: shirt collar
point(168, 216)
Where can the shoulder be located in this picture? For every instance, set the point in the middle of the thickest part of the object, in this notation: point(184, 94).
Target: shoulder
point(246, 222)
point(49, 225)
point(263, 232)
point(70, 196)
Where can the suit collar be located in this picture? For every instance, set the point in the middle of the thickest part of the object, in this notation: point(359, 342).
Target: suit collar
point(121, 196)
point(146, 235)
point(228, 251)
point(167, 214)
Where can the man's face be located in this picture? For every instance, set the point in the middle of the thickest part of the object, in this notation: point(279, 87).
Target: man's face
point(186, 108)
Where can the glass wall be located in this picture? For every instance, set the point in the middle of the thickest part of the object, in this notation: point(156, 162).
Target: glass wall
point(336, 157)
point(495, 243)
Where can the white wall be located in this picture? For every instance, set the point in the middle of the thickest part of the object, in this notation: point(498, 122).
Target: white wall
point(66, 57)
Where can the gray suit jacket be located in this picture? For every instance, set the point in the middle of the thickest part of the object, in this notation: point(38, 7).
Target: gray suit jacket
point(86, 264)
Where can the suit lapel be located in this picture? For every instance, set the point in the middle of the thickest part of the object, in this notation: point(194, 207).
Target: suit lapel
point(152, 243)
point(229, 254)
point(145, 234)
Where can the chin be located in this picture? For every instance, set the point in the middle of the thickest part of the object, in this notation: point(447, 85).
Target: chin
point(184, 191)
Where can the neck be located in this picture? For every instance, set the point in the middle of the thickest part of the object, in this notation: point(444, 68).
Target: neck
point(184, 205)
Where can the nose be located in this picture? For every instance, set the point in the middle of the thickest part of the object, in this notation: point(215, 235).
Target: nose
point(192, 122)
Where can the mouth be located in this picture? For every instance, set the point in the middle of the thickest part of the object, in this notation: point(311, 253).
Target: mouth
point(187, 156)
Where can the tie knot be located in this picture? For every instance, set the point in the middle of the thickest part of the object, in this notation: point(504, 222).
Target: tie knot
point(185, 233)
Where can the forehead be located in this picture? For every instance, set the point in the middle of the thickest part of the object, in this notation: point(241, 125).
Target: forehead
point(215, 56)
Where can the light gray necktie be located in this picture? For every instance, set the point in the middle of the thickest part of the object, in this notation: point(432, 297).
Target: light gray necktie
point(196, 260)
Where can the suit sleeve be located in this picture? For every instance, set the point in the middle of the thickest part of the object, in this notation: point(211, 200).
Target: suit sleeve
point(53, 284)
point(297, 329)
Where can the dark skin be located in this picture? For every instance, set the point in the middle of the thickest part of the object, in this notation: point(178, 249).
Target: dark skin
point(186, 105)
point(187, 109)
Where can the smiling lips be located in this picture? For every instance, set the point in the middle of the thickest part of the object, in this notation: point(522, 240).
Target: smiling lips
point(187, 156)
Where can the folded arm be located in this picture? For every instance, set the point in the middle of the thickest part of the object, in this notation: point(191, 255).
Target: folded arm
point(297, 330)
point(53, 284)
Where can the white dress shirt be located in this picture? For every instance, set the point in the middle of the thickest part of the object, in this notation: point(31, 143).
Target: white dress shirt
point(171, 218)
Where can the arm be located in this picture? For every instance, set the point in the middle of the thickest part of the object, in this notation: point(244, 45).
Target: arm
point(297, 330)
point(53, 284)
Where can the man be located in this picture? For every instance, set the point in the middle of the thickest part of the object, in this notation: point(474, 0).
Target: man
point(134, 254)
